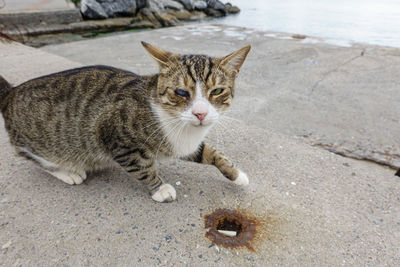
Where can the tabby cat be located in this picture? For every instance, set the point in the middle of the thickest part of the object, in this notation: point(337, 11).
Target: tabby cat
point(90, 118)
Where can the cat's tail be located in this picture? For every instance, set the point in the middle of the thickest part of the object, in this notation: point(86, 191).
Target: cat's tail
point(5, 89)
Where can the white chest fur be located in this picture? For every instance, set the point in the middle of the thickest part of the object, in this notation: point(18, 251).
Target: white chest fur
point(188, 140)
point(184, 137)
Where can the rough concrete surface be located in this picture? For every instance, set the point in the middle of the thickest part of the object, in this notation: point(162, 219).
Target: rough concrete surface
point(20, 63)
point(27, 21)
point(315, 208)
point(7, 6)
point(341, 98)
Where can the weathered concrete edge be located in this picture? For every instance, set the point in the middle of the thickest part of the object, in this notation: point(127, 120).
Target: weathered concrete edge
point(82, 26)
point(33, 18)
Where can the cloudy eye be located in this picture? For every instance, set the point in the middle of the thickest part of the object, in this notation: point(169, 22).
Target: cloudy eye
point(217, 91)
point(182, 93)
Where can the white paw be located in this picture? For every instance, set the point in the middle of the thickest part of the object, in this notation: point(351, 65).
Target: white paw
point(166, 193)
point(82, 174)
point(242, 179)
point(70, 177)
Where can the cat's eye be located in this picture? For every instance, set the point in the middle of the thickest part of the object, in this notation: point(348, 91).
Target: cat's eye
point(182, 93)
point(217, 91)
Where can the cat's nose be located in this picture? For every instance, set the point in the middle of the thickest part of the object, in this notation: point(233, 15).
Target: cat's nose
point(200, 116)
point(200, 110)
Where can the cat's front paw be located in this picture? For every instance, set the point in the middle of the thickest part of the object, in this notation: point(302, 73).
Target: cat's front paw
point(242, 179)
point(166, 193)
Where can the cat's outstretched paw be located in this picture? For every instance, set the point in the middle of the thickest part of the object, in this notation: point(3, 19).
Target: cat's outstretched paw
point(166, 193)
point(242, 179)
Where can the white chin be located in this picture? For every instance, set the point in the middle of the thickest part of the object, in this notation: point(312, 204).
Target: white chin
point(203, 124)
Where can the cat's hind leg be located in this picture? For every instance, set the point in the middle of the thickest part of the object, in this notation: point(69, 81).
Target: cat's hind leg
point(66, 175)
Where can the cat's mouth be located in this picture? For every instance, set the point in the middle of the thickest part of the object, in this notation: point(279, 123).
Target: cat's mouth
point(199, 124)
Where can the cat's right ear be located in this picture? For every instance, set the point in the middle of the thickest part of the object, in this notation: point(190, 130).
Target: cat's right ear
point(235, 60)
point(158, 54)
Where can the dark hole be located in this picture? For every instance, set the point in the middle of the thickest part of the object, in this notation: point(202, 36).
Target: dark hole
point(398, 173)
point(230, 220)
point(230, 225)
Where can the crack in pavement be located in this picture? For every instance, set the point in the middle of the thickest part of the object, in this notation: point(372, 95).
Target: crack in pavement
point(362, 53)
point(386, 158)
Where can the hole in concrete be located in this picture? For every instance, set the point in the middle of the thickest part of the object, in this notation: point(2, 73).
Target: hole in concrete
point(230, 228)
point(397, 173)
point(230, 225)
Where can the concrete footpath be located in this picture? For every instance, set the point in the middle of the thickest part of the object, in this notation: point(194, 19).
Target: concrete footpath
point(315, 208)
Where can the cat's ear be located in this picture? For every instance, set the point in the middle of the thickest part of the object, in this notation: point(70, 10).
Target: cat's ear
point(235, 60)
point(158, 54)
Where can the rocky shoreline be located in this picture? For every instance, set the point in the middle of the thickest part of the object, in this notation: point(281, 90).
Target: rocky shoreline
point(92, 17)
point(159, 13)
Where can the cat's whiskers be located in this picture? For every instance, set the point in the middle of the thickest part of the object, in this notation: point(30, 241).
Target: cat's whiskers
point(226, 119)
point(166, 136)
point(159, 129)
point(160, 122)
point(157, 121)
point(233, 132)
point(228, 125)
point(176, 135)
point(230, 118)
point(228, 130)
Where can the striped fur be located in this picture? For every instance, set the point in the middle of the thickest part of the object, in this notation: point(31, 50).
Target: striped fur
point(96, 117)
point(5, 89)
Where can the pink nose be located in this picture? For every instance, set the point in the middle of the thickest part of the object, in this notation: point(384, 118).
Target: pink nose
point(200, 116)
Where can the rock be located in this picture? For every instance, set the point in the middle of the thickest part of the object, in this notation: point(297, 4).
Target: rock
point(200, 5)
point(217, 5)
point(171, 4)
point(197, 15)
point(163, 11)
point(119, 8)
point(90, 9)
point(181, 14)
point(140, 4)
point(231, 9)
point(100, 9)
point(145, 14)
point(166, 19)
point(158, 12)
point(162, 5)
point(213, 13)
point(188, 4)
point(6, 245)
point(155, 6)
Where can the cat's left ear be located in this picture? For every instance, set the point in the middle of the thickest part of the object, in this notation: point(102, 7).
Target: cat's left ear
point(158, 54)
point(235, 60)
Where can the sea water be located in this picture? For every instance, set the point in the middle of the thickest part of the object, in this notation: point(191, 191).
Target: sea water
point(362, 21)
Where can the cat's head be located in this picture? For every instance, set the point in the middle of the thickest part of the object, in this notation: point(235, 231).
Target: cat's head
point(196, 88)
